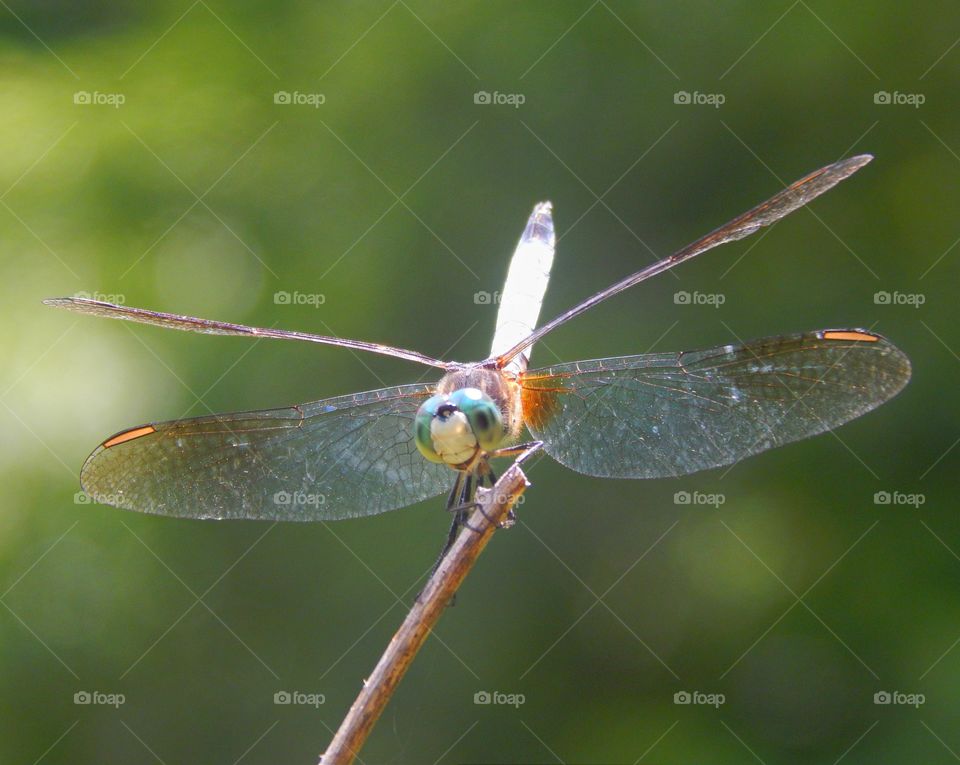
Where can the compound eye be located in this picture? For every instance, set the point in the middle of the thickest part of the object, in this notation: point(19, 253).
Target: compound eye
point(482, 414)
point(421, 426)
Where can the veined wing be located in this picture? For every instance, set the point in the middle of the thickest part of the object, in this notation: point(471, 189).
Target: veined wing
point(211, 327)
point(341, 457)
point(796, 195)
point(669, 414)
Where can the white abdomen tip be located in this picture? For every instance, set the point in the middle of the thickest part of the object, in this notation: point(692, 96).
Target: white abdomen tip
point(526, 285)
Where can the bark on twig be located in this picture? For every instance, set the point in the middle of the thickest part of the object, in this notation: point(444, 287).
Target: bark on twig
point(426, 611)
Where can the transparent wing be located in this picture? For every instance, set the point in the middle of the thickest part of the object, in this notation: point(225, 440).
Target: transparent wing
point(661, 415)
point(795, 196)
point(341, 457)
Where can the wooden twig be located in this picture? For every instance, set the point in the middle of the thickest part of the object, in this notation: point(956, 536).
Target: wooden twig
point(437, 594)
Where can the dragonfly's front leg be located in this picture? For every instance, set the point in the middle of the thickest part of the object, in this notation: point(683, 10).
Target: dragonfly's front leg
point(462, 497)
point(459, 504)
point(459, 501)
point(520, 452)
point(483, 473)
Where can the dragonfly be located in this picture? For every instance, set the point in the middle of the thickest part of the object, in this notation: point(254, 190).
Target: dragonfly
point(652, 415)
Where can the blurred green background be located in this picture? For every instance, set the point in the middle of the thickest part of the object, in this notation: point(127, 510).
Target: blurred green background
point(397, 199)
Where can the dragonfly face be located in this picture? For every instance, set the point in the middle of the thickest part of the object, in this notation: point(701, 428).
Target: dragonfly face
point(647, 416)
point(475, 411)
point(455, 429)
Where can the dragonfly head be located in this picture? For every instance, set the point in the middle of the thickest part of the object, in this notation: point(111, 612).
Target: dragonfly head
point(452, 428)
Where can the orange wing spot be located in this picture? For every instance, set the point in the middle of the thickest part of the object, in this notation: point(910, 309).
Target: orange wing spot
point(129, 435)
point(857, 337)
point(540, 405)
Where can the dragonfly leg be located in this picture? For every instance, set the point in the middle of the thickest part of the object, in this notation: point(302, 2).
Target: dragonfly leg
point(459, 502)
point(520, 451)
point(462, 497)
point(468, 501)
point(491, 478)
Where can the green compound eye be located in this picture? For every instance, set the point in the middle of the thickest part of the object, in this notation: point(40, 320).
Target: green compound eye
point(448, 429)
point(421, 427)
point(482, 414)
